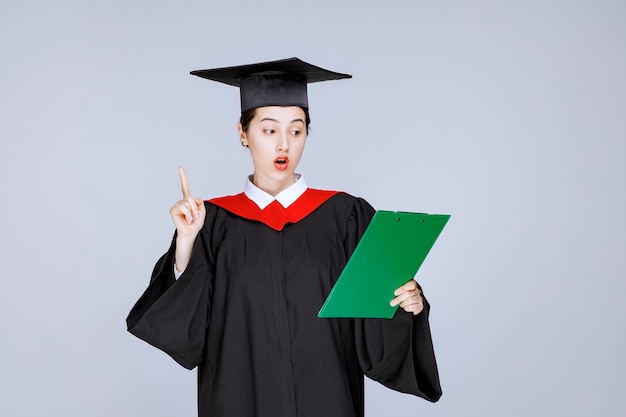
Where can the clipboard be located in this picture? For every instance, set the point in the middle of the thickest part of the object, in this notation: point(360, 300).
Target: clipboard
point(389, 254)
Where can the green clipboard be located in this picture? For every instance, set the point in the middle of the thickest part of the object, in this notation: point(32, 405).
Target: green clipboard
point(389, 254)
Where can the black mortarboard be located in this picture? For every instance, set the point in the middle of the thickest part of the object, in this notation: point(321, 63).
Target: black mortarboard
point(274, 83)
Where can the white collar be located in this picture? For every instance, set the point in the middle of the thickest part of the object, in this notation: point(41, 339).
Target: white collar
point(285, 197)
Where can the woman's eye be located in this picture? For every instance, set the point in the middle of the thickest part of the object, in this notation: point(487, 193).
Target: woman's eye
point(269, 131)
point(295, 132)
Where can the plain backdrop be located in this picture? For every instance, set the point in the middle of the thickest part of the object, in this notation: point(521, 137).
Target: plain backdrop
point(510, 116)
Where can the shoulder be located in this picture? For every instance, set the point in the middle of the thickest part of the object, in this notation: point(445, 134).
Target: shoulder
point(232, 203)
point(344, 202)
point(347, 198)
point(339, 195)
point(227, 199)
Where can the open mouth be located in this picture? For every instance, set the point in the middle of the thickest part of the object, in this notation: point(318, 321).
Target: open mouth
point(281, 163)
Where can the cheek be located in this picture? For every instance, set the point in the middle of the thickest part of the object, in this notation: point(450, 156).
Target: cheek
point(259, 152)
point(301, 147)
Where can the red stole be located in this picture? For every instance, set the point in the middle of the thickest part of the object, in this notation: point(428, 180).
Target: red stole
point(274, 215)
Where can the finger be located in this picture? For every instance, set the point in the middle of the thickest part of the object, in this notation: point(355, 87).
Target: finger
point(408, 286)
point(404, 296)
point(414, 308)
point(192, 205)
point(200, 205)
point(411, 301)
point(181, 209)
point(184, 183)
point(415, 294)
point(413, 305)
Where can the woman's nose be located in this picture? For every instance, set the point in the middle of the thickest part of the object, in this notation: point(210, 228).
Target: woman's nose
point(283, 142)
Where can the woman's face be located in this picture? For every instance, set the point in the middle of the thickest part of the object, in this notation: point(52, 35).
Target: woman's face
point(276, 138)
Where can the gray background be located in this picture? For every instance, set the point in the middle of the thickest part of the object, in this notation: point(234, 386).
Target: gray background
point(508, 115)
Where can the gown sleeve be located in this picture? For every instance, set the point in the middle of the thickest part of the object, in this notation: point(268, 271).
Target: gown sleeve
point(172, 315)
point(399, 352)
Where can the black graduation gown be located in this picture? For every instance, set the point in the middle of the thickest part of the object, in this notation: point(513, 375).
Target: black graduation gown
point(245, 313)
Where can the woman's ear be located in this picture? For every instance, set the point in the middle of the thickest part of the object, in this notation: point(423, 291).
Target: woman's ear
point(242, 135)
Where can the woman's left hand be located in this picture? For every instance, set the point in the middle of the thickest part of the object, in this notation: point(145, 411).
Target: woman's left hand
point(409, 296)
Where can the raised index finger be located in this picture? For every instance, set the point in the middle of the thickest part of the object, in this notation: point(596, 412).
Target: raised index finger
point(184, 184)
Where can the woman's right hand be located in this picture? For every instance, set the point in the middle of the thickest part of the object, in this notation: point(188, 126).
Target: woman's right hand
point(188, 215)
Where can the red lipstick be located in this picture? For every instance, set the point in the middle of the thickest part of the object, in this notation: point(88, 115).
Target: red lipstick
point(281, 163)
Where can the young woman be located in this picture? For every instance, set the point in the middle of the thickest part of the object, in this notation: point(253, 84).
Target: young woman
point(237, 293)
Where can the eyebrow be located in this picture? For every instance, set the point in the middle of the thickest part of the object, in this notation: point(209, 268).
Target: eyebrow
point(269, 119)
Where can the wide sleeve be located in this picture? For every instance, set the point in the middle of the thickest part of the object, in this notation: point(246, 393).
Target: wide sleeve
point(398, 352)
point(172, 315)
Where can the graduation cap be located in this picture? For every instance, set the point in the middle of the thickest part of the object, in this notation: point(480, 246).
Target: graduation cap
point(274, 83)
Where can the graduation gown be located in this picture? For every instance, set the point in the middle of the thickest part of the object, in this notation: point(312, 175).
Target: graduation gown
point(244, 312)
